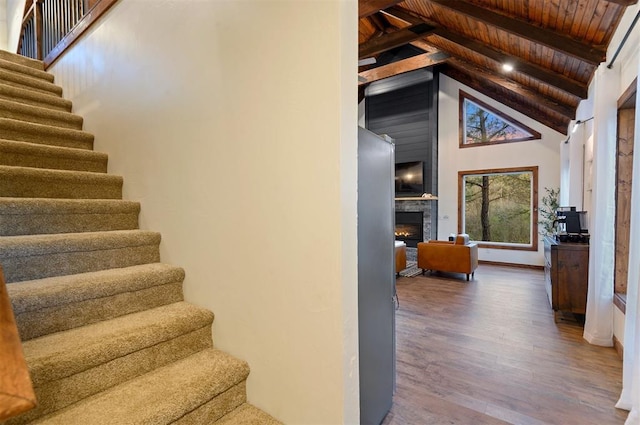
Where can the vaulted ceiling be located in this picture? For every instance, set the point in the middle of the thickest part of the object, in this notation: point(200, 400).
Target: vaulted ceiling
point(554, 47)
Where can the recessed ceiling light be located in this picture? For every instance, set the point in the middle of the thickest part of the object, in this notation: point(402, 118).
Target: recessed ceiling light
point(507, 67)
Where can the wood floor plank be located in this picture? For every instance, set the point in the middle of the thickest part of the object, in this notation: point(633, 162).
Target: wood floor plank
point(489, 352)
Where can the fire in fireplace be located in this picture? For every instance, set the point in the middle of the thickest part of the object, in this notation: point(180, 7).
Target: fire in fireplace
point(409, 227)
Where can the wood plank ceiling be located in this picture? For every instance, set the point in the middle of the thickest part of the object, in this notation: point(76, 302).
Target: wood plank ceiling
point(554, 47)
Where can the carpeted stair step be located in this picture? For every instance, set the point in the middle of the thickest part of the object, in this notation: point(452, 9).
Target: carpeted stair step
point(23, 131)
point(20, 111)
point(26, 182)
point(22, 154)
point(39, 256)
point(198, 389)
point(60, 303)
point(25, 70)
point(247, 414)
point(69, 366)
point(22, 60)
point(29, 83)
point(31, 216)
point(29, 97)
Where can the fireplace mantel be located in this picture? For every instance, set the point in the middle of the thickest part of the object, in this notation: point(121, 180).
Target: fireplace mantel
point(425, 197)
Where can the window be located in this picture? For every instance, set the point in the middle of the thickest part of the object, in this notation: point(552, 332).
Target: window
point(499, 207)
point(624, 183)
point(480, 124)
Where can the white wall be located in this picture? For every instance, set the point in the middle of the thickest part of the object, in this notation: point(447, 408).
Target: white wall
point(235, 126)
point(544, 153)
point(15, 11)
point(4, 31)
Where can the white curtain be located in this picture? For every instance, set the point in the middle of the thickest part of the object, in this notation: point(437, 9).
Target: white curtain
point(598, 328)
point(630, 397)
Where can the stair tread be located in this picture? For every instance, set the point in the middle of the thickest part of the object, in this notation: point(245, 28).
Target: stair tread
point(59, 290)
point(29, 83)
point(32, 216)
point(31, 182)
point(25, 69)
point(48, 174)
point(59, 151)
point(159, 397)
point(23, 60)
point(69, 352)
point(29, 257)
point(30, 245)
point(34, 109)
point(21, 206)
point(29, 97)
point(247, 414)
point(33, 155)
point(31, 113)
point(44, 134)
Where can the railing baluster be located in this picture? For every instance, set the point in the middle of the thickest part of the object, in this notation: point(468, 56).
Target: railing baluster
point(59, 19)
point(47, 22)
point(46, 33)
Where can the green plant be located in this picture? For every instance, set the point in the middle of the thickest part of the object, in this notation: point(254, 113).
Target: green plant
point(548, 216)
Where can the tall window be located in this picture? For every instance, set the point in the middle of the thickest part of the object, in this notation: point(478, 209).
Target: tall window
point(480, 124)
point(499, 207)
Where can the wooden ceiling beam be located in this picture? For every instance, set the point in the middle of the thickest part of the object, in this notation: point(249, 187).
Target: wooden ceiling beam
point(623, 2)
point(472, 78)
point(530, 69)
point(378, 22)
point(568, 111)
point(394, 39)
point(554, 40)
point(369, 7)
point(400, 67)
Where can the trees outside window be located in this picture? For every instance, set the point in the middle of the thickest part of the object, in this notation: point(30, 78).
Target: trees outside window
point(499, 207)
point(480, 124)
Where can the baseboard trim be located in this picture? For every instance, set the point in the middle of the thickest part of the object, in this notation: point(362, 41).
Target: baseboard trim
point(618, 346)
point(620, 301)
point(518, 265)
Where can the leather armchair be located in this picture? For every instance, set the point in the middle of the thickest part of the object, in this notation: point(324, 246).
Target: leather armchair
point(458, 256)
point(401, 256)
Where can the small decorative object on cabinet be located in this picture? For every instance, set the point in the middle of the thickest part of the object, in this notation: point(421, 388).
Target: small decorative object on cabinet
point(566, 276)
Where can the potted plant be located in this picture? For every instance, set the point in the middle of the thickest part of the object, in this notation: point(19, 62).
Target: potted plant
point(548, 212)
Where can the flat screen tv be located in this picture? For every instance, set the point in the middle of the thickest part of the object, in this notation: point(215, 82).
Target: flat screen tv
point(409, 181)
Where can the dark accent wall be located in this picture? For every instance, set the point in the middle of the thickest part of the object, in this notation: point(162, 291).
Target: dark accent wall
point(405, 107)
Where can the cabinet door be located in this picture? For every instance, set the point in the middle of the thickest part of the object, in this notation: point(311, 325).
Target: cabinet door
point(572, 272)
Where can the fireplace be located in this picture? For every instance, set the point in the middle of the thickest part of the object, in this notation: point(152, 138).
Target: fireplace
point(409, 227)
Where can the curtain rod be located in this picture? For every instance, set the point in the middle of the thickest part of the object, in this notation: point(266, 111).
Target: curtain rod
point(624, 40)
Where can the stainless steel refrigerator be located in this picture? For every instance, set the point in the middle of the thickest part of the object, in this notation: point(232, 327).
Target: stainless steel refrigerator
point(376, 275)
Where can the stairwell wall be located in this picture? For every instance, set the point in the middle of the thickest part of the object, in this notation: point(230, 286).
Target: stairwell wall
point(13, 23)
point(234, 124)
point(4, 32)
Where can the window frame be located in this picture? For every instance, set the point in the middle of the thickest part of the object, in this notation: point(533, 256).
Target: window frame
point(626, 114)
point(462, 121)
point(533, 246)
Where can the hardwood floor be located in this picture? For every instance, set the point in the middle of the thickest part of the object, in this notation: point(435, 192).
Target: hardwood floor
point(488, 352)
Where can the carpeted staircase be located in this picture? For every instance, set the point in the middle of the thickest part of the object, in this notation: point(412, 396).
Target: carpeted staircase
point(106, 333)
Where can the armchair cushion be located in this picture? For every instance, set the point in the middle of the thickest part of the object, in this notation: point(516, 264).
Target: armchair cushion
point(458, 256)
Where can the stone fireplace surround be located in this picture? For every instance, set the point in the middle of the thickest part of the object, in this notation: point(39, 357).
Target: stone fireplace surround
point(417, 205)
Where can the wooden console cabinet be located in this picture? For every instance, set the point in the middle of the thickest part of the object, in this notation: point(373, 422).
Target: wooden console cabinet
point(566, 275)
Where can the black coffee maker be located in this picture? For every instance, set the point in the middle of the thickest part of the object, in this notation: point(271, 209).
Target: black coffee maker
point(572, 225)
